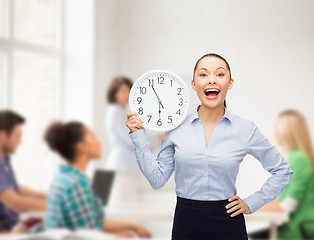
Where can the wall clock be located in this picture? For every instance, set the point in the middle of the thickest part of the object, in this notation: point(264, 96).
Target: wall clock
point(161, 100)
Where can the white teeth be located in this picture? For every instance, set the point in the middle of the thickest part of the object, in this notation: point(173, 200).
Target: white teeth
point(212, 90)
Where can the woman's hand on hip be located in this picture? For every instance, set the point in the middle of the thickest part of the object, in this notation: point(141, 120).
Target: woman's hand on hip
point(236, 206)
point(134, 123)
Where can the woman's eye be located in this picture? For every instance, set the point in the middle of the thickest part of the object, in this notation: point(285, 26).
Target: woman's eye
point(220, 74)
point(203, 75)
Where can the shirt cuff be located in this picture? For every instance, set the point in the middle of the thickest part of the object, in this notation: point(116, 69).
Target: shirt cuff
point(254, 202)
point(139, 137)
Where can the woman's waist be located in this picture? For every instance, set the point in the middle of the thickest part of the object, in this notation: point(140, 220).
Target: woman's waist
point(210, 206)
point(202, 202)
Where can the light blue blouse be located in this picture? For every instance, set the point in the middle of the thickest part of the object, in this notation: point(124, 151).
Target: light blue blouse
point(209, 173)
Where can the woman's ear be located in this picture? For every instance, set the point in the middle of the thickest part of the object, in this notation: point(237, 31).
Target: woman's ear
point(80, 147)
point(193, 84)
point(231, 82)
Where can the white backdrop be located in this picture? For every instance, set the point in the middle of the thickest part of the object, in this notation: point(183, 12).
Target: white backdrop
point(269, 46)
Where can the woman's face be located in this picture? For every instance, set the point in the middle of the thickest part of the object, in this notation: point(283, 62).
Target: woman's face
point(122, 95)
point(90, 145)
point(212, 81)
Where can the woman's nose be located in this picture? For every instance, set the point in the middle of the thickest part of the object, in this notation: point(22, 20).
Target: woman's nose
point(211, 80)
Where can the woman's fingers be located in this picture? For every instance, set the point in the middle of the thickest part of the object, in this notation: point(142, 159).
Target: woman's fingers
point(132, 113)
point(136, 118)
point(236, 207)
point(237, 204)
point(237, 213)
point(229, 205)
point(133, 122)
point(234, 197)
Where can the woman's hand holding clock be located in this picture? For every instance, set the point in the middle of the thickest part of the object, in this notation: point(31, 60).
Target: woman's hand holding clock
point(161, 100)
point(134, 123)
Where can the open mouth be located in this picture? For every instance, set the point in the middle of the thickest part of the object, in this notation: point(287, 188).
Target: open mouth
point(212, 93)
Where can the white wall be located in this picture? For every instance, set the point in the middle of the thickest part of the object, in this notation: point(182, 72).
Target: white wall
point(269, 45)
point(78, 47)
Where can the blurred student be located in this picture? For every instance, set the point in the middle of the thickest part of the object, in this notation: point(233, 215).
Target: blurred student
point(71, 202)
point(297, 198)
point(122, 155)
point(14, 198)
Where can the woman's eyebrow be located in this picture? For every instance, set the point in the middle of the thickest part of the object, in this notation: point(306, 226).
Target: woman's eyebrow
point(202, 69)
point(221, 67)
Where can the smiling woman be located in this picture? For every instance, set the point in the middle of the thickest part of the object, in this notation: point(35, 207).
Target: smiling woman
point(205, 151)
point(212, 93)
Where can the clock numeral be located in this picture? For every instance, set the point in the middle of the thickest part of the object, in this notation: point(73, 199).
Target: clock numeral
point(140, 111)
point(181, 101)
point(178, 112)
point(170, 82)
point(160, 80)
point(180, 90)
point(150, 116)
point(139, 100)
point(159, 123)
point(143, 90)
point(169, 119)
point(150, 82)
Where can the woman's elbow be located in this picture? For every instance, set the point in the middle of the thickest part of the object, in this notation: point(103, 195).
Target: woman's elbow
point(288, 175)
point(157, 184)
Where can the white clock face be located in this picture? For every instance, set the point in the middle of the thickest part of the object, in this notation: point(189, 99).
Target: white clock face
point(161, 100)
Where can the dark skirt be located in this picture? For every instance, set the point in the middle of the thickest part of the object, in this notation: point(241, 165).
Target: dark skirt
point(194, 219)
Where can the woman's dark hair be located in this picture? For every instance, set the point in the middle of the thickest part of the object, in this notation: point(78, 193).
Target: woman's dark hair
point(114, 87)
point(10, 119)
point(217, 56)
point(63, 137)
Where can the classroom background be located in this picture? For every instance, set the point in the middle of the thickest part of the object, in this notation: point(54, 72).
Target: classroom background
point(57, 59)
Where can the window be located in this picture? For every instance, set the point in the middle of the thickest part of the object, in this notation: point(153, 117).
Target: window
point(30, 60)
point(34, 21)
point(34, 94)
point(2, 83)
point(2, 18)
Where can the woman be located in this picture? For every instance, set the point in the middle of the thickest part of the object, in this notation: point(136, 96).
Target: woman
point(71, 202)
point(206, 162)
point(297, 198)
point(122, 156)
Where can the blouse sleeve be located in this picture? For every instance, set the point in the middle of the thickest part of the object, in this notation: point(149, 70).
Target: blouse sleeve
point(271, 159)
point(157, 171)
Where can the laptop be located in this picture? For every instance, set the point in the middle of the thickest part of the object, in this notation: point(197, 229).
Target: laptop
point(102, 184)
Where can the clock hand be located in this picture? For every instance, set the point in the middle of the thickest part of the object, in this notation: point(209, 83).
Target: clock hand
point(157, 97)
point(161, 104)
point(159, 110)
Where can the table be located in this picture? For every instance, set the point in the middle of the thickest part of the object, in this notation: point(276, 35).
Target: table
point(160, 211)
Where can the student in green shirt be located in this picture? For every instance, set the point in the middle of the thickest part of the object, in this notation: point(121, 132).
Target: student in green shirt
point(297, 198)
